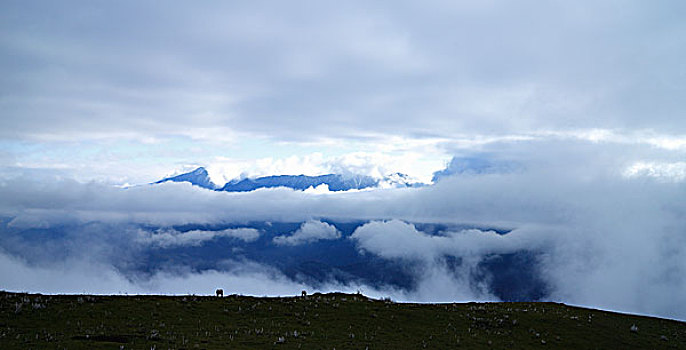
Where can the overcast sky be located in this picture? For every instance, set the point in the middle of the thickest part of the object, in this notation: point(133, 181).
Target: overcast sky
point(574, 110)
point(129, 91)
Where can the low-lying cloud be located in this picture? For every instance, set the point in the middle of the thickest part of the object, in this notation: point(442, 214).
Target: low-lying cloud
point(397, 239)
point(606, 240)
point(171, 237)
point(309, 232)
point(83, 276)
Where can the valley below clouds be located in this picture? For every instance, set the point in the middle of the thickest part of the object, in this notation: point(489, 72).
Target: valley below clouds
point(556, 228)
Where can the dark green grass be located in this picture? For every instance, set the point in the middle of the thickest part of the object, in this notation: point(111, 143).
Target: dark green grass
point(320, 321)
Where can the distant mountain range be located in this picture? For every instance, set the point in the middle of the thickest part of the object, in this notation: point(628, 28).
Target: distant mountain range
point(335, 182)
point(458, 166)
point(198, 177)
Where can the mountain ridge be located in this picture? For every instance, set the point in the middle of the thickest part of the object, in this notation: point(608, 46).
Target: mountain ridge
point(335, 182)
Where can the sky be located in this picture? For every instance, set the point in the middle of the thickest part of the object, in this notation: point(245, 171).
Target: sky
point(573, 113)
point(133, 91)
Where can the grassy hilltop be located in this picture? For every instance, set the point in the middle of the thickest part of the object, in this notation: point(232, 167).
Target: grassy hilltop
point(319, 321)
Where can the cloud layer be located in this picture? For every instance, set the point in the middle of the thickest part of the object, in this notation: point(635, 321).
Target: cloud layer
point(605, 239)
point(356, 69)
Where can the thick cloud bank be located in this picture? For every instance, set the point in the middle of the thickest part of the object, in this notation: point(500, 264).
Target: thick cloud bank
point(599, 236)
point(365, 68)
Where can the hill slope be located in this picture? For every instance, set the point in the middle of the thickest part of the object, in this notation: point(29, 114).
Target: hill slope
point(319, 321)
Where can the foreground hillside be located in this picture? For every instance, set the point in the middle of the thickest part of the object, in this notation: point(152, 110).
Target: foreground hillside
point(319, 321)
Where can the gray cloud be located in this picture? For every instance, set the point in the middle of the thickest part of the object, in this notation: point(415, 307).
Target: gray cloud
point(72, 71)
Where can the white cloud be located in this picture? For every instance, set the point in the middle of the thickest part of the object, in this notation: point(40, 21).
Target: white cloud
point(309, 232)
point(321, 189)
point(226, 169)
point(418, 160)
point(67, 277)
point(96, 277)
point(397, 239)
point(244, 278)
point(171, 237)
point(427, 254)
point(675, 171)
